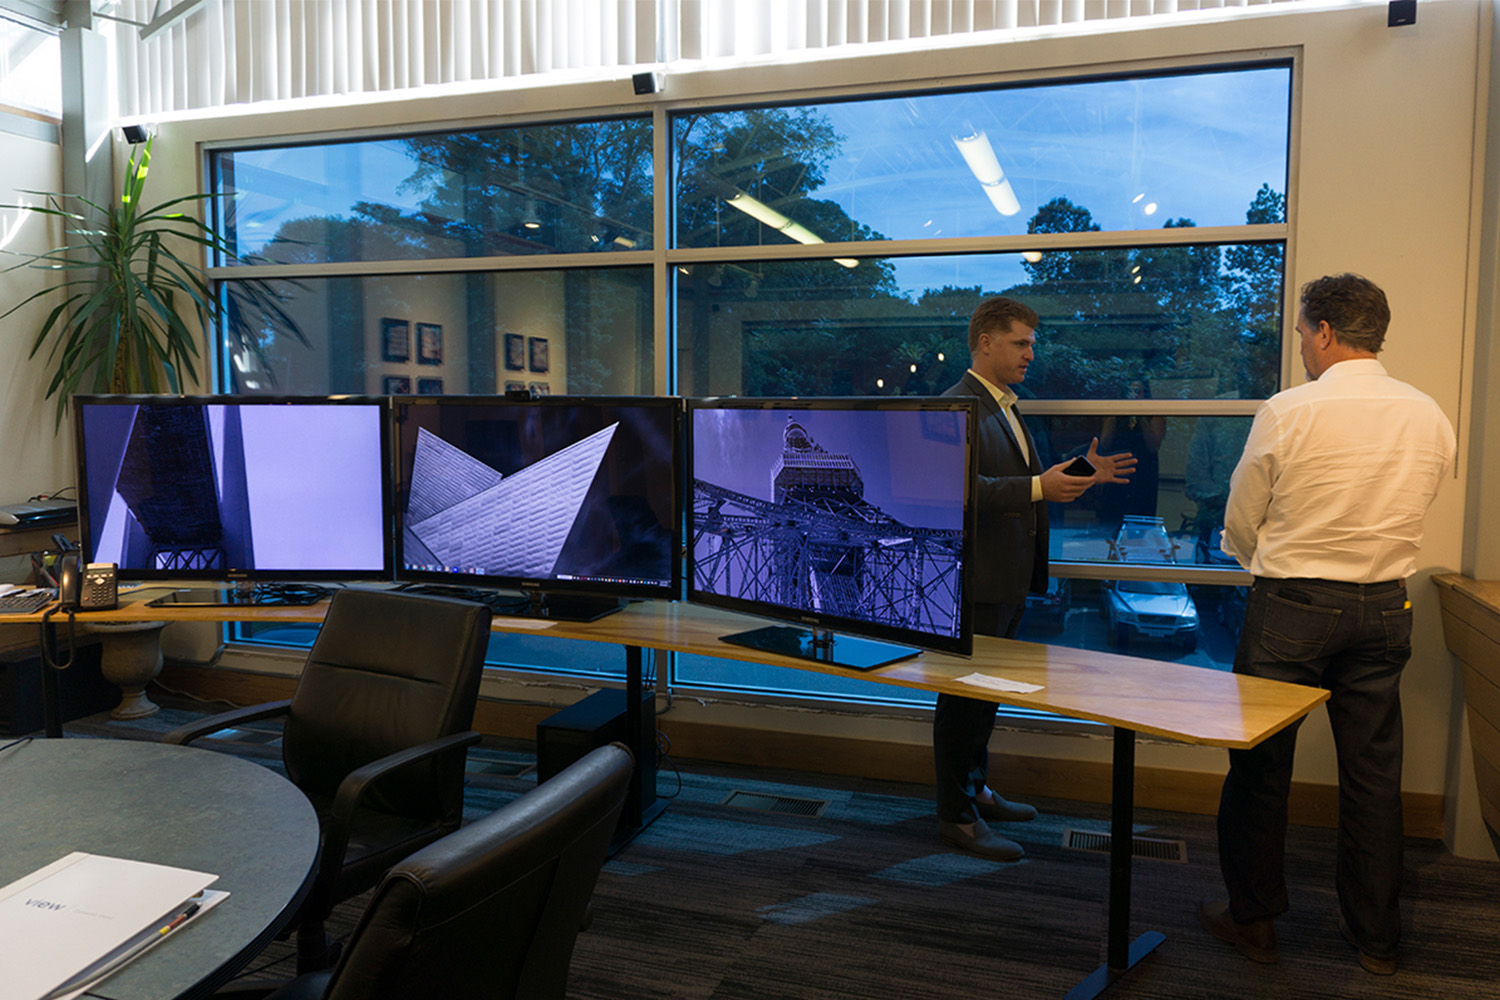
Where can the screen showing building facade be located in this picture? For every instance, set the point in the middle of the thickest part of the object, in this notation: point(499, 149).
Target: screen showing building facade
point(578, 492)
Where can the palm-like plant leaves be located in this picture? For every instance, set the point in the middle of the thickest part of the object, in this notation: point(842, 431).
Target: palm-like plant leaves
point(126, 288)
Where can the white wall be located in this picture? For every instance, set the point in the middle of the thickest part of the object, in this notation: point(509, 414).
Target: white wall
point(33, 457)
point(1385, 182)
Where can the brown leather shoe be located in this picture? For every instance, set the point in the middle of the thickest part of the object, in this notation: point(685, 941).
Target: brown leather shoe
point(1371, 964)
point(983, 841)
point(998, 810)
point(1255, 939)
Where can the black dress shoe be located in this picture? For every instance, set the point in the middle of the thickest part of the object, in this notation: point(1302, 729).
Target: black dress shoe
point(1255, 939)
point(998, 810)
point(983, 841)
point(1371, 964)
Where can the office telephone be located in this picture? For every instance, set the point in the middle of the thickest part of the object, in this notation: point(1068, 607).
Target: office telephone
point(94, 587)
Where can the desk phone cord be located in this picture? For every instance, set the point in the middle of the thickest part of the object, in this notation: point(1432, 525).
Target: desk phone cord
point(49, 639)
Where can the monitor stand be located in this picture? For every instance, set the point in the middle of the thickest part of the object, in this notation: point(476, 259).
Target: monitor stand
point(531, 604)
point(822, 646)
point(242, 594)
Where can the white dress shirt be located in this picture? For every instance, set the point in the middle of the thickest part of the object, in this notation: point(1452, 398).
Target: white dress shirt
point(1006, 397)
point(1336, 478)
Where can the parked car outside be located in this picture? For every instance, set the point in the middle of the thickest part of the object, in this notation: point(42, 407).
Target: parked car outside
point(1152, 609)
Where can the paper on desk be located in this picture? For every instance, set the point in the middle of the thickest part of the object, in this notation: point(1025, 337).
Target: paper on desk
point(517, 621)
point(73, 912)
point(999, 683)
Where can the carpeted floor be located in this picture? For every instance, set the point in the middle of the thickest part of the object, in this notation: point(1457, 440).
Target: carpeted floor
point(859, 901)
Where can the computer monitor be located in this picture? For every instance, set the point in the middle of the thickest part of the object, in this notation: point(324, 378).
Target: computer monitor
point(850, 518)
point(236, 488)
point(573, 502)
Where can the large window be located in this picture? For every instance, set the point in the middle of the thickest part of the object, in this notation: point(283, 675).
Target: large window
point(833, 247)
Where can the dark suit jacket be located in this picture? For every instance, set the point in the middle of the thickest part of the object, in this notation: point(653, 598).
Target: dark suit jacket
point(1010, 545)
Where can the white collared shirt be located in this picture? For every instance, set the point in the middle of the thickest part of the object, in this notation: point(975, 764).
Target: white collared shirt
point(1006, 397)
point(1336, 478)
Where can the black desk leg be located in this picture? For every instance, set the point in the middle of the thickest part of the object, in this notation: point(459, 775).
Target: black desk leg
point(1121, 954)
point(51, 705)
point(641, 804)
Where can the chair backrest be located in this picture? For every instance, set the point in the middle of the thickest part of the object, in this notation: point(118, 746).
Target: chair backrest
point(493, 909)
point(388, 671)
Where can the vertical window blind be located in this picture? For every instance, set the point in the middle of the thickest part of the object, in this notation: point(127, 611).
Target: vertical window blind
point(243, 51)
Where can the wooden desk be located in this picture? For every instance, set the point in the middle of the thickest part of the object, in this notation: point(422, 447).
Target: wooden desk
point(1190, 704)
point(171, 805)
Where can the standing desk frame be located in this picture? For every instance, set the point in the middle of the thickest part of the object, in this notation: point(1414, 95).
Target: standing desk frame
point(1132, 695)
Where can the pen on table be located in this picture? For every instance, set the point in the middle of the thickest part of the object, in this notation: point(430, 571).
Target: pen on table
point(112, 963)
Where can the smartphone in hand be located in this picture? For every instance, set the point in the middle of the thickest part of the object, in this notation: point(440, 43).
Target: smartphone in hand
point(1080, 466)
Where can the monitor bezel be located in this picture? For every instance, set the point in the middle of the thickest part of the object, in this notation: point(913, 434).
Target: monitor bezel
point(670, 590)
point(384, 573)
point(961, 644)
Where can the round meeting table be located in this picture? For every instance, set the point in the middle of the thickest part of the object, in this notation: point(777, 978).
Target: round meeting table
point(171, 805)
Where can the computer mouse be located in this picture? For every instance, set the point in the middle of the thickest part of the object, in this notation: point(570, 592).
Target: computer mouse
point(7, 519)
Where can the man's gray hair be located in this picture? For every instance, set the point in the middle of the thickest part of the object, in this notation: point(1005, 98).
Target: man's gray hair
point(1353, 306)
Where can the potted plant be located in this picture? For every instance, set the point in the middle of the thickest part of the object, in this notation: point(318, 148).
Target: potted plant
point(130, 285)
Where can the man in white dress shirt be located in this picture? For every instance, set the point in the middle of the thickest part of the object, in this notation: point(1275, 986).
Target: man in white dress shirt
point(1325, 510)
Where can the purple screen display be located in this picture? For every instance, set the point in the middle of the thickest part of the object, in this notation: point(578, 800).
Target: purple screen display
point(856, 513)
point(274, 488)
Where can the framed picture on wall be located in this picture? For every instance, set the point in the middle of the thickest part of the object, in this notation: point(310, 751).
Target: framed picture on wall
point(396, 385)
point(541, 389)
point(429, 387)
point(515, 352)
point(395, 340)
point(429, 344)
point(537, 358)
point(515, 387)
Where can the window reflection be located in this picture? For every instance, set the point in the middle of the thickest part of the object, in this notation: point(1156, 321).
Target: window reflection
point(576, 187)
point(551, 332)
point(1131, 153)
point(899, 325)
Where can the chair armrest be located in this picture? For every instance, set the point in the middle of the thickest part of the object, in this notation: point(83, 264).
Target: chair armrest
point(184, 735)
point(356, 783)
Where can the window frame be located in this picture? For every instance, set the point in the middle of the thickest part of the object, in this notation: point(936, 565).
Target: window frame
point(664, 257)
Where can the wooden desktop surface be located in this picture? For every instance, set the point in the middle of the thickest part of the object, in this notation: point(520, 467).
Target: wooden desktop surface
point(1185, 703)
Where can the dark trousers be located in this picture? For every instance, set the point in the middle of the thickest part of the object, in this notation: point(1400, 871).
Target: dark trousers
point(1352, 639)
point(961, 728)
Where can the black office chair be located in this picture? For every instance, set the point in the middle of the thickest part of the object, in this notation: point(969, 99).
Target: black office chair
point(375, 736)
point(490, 911)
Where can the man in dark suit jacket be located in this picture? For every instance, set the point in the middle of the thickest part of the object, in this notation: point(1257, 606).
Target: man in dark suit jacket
point(1010, 559)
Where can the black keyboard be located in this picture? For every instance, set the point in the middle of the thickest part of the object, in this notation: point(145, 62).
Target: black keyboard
point(23, 602)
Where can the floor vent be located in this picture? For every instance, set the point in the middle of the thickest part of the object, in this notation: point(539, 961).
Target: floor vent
point(784, 804)
point(1152, 848)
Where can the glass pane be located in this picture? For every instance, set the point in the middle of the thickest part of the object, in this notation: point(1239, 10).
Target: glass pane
point(553, 656)
point(555, 332)
point(718, 674)
point(30, 68)
point(574, 187)
point(1196, 322)
point(1172, 510)
point(1197, 624)
point(1111, 155)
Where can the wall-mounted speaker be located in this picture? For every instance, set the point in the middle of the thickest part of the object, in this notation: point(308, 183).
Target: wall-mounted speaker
point(1401, 12)
point(651, 83)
